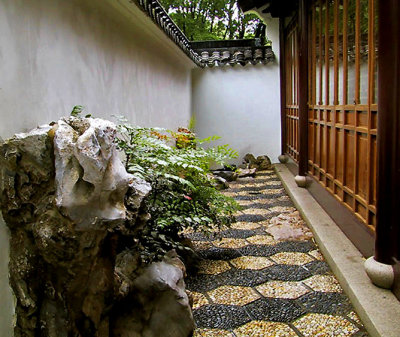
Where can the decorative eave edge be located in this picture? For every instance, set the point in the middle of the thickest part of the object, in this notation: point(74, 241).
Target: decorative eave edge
point(232, 56)
point(206, 57)
point(161, 18)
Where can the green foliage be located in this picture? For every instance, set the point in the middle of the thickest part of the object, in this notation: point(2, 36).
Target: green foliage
point(77, 110)
point(192, 123)
point(211, 20)
point(182, 193)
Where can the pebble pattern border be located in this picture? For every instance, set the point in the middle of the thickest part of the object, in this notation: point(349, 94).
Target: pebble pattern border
point(266, 276)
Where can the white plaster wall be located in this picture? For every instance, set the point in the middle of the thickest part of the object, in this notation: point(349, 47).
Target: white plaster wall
point(241, 104)
point(105, 55)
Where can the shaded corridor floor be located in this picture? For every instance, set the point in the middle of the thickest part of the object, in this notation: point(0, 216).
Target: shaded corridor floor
point(265, 276)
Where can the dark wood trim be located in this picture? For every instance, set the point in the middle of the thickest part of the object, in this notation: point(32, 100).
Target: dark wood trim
point(283, 82)
point(354, 229)
point(388, 143)
point(303, 87)
point(396, 283)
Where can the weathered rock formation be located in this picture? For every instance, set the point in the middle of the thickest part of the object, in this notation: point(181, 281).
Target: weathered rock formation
point(245, 173)
point(260, 163)
point(73, 212)
point(218, 182)
point(160, 302)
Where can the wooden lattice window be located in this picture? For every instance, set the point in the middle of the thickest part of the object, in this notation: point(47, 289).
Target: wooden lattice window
point(343, 102)
point(292, 92)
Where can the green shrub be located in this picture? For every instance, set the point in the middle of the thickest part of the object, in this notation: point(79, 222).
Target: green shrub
point(183, 196)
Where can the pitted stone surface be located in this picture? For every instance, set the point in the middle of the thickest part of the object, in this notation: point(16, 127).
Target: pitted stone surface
point(91, 181)
point(296, 291)
point(73, 213)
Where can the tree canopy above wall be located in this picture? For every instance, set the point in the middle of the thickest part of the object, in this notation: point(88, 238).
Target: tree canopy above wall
point(203, 20)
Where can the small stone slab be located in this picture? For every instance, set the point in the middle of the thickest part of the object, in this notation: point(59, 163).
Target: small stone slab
point(243, 173)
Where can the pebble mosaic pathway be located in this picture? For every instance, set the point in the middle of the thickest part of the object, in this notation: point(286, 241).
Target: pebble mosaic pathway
point(265, 276)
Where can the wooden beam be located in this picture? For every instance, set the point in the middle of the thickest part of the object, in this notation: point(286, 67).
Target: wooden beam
point(303, 88)
point(387, 243)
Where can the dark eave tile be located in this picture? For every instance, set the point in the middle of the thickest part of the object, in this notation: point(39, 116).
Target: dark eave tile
point(208, 53)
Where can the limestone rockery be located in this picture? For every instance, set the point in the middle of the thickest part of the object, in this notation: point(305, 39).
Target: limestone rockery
point(73, 213)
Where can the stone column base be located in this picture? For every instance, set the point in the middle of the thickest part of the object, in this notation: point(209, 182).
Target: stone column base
point(382, 275)
point(283, 158)
point(301, 181)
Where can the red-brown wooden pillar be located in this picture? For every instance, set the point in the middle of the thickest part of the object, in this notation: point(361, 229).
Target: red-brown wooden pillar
point(282, 158)
point(388, 167)
point(303, 93)
point(388, 189)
